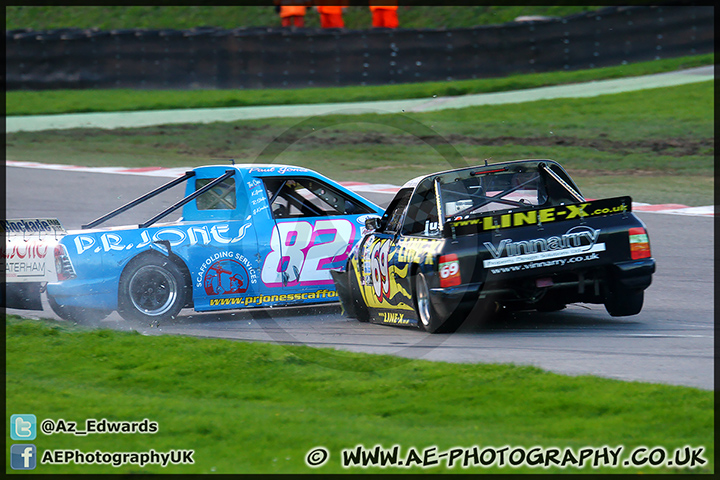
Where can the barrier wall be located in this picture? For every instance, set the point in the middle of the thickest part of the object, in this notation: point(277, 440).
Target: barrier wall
point(209, 58)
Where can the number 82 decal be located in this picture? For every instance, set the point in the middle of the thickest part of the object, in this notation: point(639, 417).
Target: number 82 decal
point(304, 253)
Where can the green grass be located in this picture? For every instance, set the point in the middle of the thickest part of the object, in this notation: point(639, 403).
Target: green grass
point(77, 101)
point(259, 408)
point(657, 145)
point(177, 17)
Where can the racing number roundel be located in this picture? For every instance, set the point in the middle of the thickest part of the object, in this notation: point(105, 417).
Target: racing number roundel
point(449, 270)
point(380, 269)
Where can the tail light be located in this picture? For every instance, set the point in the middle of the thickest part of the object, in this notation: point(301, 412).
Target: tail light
point(449, 270)
point(63, 266)
point(639, 243)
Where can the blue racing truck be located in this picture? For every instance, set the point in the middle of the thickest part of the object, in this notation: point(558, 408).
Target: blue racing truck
point(249, 236)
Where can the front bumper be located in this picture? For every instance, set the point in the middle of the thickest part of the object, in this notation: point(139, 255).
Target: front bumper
point(342, 287)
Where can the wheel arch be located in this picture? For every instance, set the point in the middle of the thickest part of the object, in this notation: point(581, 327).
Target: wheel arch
point(415, 268)
point(174, 258)
point(413, 271)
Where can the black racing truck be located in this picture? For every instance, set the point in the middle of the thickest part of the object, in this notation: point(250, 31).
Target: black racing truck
point(513, 235)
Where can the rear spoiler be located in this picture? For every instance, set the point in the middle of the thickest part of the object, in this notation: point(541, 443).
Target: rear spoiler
point(536, 216)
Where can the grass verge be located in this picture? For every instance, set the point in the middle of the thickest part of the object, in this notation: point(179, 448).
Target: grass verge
point(77, 101)
point(623, 143)
point(260, 408)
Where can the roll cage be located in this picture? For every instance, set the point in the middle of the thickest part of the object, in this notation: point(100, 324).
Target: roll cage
point(206, 188)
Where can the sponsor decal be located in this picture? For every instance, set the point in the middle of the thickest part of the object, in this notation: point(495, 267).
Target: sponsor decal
point(394, 318)
point(226, 273)
point(412, 250)
point(545, 215)
point(26, 258)
point(26, 250)
point(279, 170)
point(253, 184)
point(577, 240)
point(558, 262)
point(225, 277)
point(195, 235)
point(260, 300)
point(40, 225)
point(431, 228)
point(25, 269)
point(261, 208)
point(258, 199)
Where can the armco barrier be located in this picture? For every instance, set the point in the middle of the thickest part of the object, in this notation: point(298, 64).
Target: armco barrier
point(208, 58)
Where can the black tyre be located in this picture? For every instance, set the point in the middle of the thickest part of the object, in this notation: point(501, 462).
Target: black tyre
point(152, 289)
point(623, 304)
point(76, 314)
point(429, 320)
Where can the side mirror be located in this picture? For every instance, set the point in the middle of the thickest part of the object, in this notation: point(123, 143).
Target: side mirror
point(372, 223)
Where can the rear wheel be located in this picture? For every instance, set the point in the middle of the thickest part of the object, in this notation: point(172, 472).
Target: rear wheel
point(76, 314)
point(152, 288)
point(623, 304)
point(429, 320)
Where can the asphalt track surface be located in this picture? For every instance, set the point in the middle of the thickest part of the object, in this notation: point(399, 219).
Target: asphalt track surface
point(671, 341)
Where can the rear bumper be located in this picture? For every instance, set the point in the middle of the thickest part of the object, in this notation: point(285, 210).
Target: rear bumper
point(448, 300)
point(634, 275)
point(631, 275)
point(452, 293)
point(23, 296)
point(97, 294)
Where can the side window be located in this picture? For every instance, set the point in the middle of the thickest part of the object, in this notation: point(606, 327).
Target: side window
point(396, 214)
point(422, 215)
point(220, 197)
point(307, 197)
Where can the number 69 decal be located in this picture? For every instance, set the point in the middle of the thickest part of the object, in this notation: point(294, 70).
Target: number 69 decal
point(449, 270)
point(380, 269)
point(304, 254)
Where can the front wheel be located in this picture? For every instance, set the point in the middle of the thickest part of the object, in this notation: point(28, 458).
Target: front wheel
point(623, 304)
point(152, 288)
